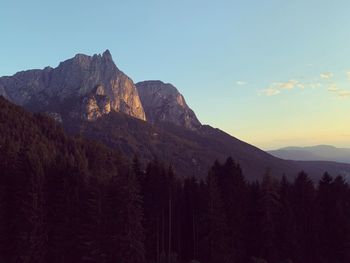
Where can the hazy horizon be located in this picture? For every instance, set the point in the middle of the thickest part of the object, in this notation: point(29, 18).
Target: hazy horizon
point(270, 73)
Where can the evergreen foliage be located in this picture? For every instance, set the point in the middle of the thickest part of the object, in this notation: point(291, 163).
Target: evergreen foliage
point(68, 199)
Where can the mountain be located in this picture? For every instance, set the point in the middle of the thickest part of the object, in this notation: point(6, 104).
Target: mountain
point(192, 152)
point(189, 152)
point(163, 102)
point(314, 153)
point(92, 98)
point(84, 86)
point(67, 199)
point(55, 192)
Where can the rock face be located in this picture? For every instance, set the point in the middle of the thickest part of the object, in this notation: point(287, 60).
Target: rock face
point(96, 104)
point(89, 87)
point(163, 102)
point(92, 81)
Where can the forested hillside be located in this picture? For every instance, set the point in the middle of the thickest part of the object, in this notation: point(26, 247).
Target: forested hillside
point(66, 199)
point(63, 199)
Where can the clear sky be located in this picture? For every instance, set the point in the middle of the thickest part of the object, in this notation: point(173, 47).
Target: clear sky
point(273, 73)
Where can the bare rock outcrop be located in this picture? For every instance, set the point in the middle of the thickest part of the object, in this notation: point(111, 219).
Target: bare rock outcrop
point(163, 102)
point(96, 79)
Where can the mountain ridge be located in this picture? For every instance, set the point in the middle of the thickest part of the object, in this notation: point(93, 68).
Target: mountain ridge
point(313, 153)
point(78, 78)
point(191, 152)
point(91, 97)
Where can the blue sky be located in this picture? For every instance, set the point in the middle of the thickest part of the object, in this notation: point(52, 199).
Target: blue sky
point(272, 73)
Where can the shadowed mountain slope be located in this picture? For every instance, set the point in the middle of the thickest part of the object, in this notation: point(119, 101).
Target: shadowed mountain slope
point(192, 152)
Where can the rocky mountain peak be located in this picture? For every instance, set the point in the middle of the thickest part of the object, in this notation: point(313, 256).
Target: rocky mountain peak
point(163, 102)
point(81, 58)
point(107, 55)
point(89, 87)
point(73, 80)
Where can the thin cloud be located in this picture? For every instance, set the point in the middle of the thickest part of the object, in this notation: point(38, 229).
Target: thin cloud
point(276, 88)
point(291, 84)
point(344, 94)
point(348, 74)
point(313, 85)
point(301, 86)
point(241, 82)
point(270, 92)
point(340, 93)
point(333, 88)
point(326, 75)
point(326, 79)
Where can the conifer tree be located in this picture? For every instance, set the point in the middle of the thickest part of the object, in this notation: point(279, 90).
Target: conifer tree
point(131, 238)
point(305, 210)
point(269, 208)
point(286, 235)
point(218, 242)
point(94, 235)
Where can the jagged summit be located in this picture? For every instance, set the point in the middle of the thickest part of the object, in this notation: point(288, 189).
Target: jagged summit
point(163, 102)
point(74, 80)
point(107, 55)
point(89, 87)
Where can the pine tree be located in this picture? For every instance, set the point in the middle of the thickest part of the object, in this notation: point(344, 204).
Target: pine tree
point(93, 234)
point(218, 242)
point(62, 195)
point(152, 190)
point(305, 210)
point(253, 226)
point(286, 228)
point(190, 218)
point(341, 221)
point(23, 231)
point(137, 170)
point(326, 201)
point(234, 195)
point(269, 208)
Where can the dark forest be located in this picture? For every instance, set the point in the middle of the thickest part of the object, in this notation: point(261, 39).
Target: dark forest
point(65, 199)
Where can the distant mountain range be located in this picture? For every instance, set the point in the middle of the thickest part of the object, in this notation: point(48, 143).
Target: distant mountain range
point(314, 153)
point(91, 97)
